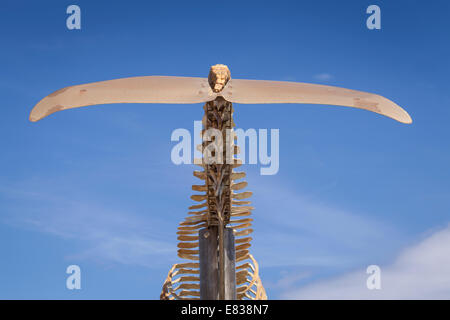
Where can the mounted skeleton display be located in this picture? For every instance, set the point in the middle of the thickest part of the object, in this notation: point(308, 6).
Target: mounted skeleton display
point(214, 237)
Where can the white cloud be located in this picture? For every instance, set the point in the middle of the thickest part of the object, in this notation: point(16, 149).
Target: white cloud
point(323, 76)
point(421, 271)
point(292, 228)
point(107, 235)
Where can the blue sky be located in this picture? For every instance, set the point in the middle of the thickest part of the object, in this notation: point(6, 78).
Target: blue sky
point(95, 186)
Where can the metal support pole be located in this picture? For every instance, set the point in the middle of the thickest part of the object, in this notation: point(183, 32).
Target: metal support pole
point(230, 265)
point(209, 264)
point(221, 261)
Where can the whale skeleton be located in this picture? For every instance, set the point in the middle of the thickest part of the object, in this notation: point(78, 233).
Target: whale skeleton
point(187, 90)
point(219, 203)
